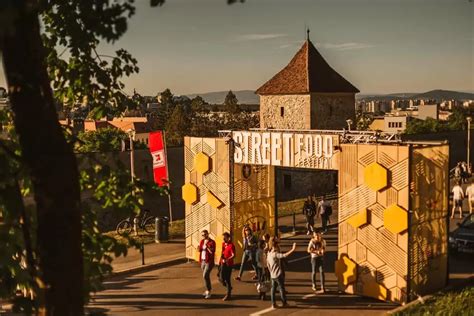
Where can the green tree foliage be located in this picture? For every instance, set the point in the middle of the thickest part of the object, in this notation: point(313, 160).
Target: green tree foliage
point(231, 104)
point(198, 105)
point(363, 121)
point(101, 140)
point(457, 119)
point(177, 126)
point(60, 255)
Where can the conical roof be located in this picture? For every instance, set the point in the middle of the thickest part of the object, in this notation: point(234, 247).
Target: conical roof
point(307, 72)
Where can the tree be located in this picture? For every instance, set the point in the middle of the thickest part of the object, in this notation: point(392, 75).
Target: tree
point(457, 119)
point(33, 68)
point(198, 105)
point(231, 104)
point(177, 126)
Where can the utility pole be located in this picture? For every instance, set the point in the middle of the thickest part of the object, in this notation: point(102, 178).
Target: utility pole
point(131, 133)
point(469, 119)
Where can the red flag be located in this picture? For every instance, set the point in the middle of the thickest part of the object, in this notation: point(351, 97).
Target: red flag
point(158, 153)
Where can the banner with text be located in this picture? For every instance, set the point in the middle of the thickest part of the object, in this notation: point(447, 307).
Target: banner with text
point(158, 153)
point(287, 149)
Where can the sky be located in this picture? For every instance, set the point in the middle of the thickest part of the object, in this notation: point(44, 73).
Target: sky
point(381, 46)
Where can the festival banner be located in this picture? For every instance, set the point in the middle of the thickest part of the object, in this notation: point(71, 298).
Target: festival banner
point(158, 153)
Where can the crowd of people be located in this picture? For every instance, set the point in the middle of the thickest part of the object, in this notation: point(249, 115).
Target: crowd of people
point(462, 171)
point(266, 258)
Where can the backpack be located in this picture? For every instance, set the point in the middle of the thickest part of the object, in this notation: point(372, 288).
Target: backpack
point(328, 210)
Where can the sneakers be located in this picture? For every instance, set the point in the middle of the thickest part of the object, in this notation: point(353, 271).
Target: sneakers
point(208, 296)
point(205, 293)
point(237, 278)
point(226, 298)
point(314, 287)
point(307, 233)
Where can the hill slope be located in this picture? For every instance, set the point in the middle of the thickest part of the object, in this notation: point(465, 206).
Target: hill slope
point(244, 96)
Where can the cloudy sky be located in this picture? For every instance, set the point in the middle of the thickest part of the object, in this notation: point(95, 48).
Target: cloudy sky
point(381, 46)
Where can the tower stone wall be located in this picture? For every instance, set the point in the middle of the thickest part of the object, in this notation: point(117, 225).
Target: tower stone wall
point(296, 111)
point(307, 111)
point(331, 110)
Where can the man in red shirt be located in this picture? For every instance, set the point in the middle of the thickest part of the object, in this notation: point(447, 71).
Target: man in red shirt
point(207, 249)
point(226, 262)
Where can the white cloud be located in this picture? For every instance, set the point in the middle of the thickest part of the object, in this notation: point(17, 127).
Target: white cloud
point(344, 46)
point(260, 37)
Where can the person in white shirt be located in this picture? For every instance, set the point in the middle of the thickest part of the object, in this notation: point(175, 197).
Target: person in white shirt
point(470, 195)
point(458, 196)
point(317, 248)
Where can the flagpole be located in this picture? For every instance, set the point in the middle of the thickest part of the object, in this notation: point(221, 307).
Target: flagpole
point(168, 174)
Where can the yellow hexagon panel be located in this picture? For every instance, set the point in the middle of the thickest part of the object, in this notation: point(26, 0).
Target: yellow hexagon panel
point(395, 219)
point(375, 176)
point(189, 193)
point(346, 270)
point(375, 290)
point(213, 201)
point(358, 219)
point(202, 163)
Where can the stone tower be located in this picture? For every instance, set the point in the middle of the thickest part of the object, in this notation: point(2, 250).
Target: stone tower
point(307, 94)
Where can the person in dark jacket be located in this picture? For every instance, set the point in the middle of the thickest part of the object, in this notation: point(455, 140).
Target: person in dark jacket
point(250, 251)
point(309, 210)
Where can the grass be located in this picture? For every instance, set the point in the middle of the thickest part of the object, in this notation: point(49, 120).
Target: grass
point(455, 302)
point(287, 208)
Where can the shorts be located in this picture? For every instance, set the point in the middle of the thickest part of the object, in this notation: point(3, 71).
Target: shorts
point(458, 203)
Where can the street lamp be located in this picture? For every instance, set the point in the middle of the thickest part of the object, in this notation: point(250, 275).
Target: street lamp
point(468, 119)
point(131, 136)
point(349, 123)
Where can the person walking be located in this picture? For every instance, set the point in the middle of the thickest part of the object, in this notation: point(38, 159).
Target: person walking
point(274, 257)
point(317, 248)
point(458, 196)
point(324, 210)
point(250, 250)
point(309, 210)
point(470, 196)
point(207, 249)
point(226, 264)
point(261, 265)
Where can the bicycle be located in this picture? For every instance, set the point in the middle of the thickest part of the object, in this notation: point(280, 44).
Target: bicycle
point(147, 223)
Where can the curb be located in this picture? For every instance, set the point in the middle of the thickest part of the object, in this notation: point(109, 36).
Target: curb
point(422, 300)
point(146, 268)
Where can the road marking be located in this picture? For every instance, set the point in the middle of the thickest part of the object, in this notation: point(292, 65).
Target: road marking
point(299, 259)
point(263, 311)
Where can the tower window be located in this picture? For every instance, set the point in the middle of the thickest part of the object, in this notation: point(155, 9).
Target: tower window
point(282, 111)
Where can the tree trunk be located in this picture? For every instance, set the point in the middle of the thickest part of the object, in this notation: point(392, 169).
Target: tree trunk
point(51, 164)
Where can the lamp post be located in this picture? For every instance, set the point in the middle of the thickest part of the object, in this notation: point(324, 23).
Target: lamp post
point(349, 123)
point(131, 134)
point(468, 119)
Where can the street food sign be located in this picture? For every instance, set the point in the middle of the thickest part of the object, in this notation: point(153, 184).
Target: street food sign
point(286, 149)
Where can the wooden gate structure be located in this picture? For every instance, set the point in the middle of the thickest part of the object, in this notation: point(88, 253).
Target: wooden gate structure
point(393, 201)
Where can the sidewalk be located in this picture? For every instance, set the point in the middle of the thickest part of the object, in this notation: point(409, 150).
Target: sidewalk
point(172, 252)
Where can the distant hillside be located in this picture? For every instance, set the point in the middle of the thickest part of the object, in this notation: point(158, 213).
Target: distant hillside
point(445, 95)
point(244, 97)
point(433, 94)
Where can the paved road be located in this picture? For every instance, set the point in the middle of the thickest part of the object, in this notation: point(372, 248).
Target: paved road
point(177, 290)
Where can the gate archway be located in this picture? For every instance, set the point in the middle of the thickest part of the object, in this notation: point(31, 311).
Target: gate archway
point(393, 200)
